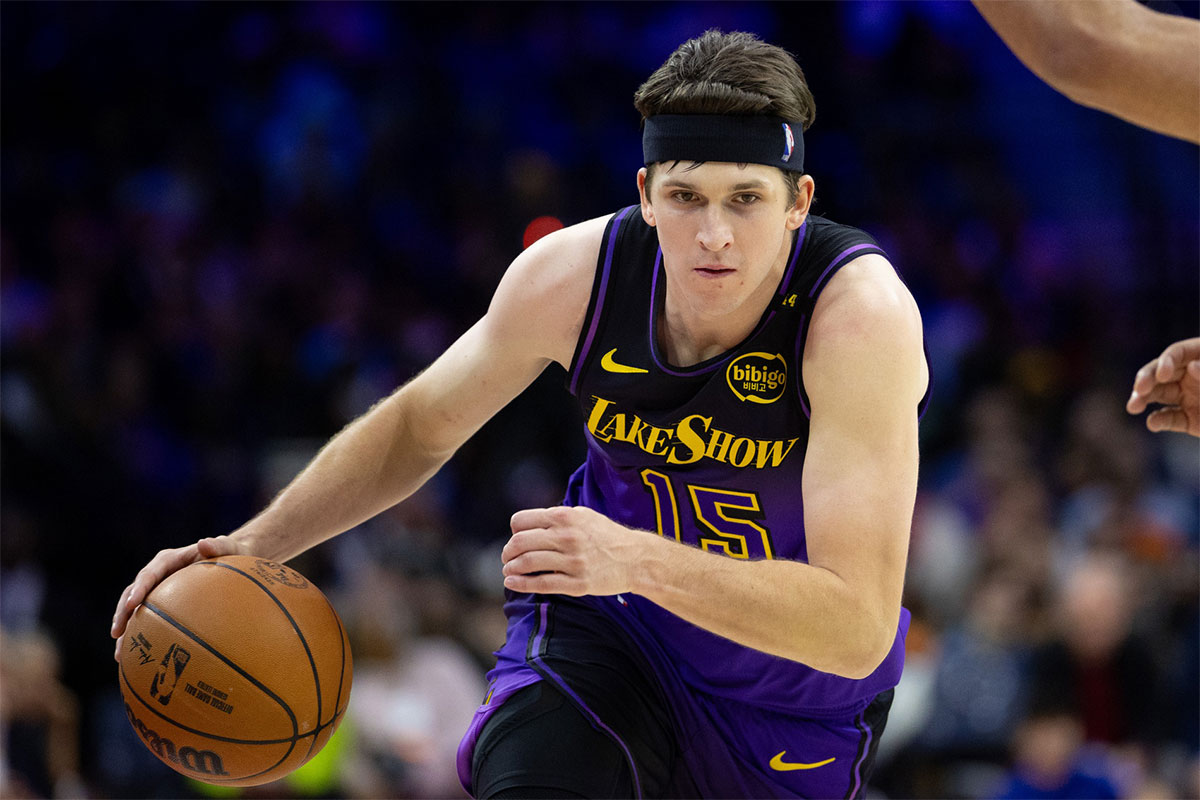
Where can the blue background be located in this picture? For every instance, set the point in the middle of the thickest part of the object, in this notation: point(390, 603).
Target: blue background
point(228, 228)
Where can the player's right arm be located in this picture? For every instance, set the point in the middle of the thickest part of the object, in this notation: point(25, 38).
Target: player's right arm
point(387, 454)
point(1113, 55)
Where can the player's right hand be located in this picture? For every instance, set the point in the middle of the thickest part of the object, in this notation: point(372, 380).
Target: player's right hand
point(1173, 380)
point(162, 565)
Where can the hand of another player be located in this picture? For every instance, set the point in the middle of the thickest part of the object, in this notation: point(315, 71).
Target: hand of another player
point(162, 565)
point(573, 551)
point(1172, 379)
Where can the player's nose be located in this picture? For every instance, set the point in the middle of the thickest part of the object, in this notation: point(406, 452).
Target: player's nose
point(715, 232)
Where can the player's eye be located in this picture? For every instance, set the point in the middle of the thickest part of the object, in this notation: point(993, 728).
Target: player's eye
point(747, 199)
point(684, 197)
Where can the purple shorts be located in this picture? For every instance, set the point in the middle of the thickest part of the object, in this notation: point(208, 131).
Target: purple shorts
point(713, 747)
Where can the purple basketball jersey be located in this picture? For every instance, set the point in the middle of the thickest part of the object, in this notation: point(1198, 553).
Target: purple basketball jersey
point(712, 456)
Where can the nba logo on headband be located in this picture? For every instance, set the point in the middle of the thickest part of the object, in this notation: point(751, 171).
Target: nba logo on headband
point(732, 138)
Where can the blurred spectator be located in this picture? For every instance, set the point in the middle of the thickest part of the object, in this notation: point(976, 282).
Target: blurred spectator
point(39, 721)
point(1051, 762)
point(976, 695)
point(980, 687)
point(414, 693)
point(1096, 663)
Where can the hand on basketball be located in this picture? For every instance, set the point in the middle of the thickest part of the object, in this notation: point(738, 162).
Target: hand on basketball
point(1172, 379)
point(162, 565)
point(573, 551)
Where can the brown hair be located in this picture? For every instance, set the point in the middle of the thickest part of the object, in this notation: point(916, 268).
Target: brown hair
point(729, 73)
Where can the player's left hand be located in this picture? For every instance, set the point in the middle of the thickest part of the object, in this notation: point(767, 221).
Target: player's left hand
point(570, 550)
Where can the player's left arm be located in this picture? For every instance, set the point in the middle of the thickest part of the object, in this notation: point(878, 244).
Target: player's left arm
point(865, 373)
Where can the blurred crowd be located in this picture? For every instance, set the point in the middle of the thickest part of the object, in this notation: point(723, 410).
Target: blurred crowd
point(227, 229)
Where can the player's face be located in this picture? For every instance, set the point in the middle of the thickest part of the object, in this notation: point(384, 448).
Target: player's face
point(725, 231)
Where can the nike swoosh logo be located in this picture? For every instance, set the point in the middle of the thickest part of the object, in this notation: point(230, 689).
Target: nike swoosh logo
point(612, 366)
point(779, 765)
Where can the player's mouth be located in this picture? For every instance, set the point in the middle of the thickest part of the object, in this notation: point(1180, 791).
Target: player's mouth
point(715, 271)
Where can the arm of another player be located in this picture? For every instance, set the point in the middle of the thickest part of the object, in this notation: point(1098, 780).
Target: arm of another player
point(865, 373)
point(1114, 55)
point(387, 454)
point(1172, 379)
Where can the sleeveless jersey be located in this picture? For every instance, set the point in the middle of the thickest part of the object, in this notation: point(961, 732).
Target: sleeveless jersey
point(710, 455)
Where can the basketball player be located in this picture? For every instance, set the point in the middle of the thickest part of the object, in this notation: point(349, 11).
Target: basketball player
point(715, 609)
point(1144, 67)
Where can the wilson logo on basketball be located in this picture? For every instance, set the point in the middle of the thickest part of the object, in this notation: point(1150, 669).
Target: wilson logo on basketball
point(201, 762)
point(168, 673)
point(757, 377)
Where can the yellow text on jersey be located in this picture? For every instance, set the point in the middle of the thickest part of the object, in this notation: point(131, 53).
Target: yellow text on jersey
point(691, 439)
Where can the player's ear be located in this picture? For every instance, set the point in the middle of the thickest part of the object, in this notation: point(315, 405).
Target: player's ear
point(647, 209)
point(805, 188)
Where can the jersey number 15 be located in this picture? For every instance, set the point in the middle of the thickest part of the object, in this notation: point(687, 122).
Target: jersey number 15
point(727, 521)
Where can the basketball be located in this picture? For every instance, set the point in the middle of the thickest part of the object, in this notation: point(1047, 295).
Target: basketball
point(235, 670)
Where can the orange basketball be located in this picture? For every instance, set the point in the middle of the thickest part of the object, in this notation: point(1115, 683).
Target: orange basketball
point(235, 670)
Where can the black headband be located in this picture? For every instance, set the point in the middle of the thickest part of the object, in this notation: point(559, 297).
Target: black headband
point(719, 137)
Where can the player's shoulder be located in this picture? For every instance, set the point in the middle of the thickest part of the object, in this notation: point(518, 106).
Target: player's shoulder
point(866, 297)
point(549, 284)
point(558, 260)
point(865, 332)
point(567, 247)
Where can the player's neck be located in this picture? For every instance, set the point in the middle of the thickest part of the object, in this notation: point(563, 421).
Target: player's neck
point(689, 338)
point(694, 329)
